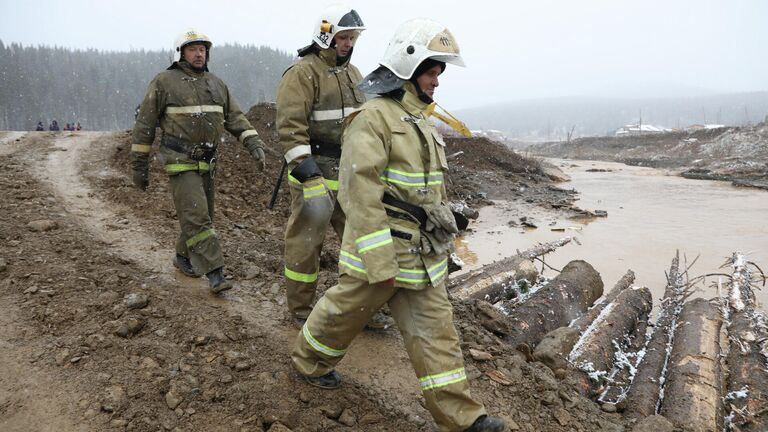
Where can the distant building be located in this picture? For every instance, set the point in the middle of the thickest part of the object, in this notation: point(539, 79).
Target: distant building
point(645, 129)
point(697, 127)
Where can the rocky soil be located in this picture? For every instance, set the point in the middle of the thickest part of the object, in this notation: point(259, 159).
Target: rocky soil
point(737, 154)
point(100, 333)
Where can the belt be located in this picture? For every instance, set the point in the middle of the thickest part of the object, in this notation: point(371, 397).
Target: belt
point(326, 149)
point(413, 210)
point(197, 153)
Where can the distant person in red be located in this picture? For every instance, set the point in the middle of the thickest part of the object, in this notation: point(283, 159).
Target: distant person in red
point(54, 126)
point(40, 126)
point(78, 127)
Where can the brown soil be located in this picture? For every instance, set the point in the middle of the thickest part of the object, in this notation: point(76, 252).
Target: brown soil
point(196, 362)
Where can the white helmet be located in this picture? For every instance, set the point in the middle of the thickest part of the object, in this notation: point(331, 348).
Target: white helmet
point(187, 37)
point(417, 40)
point(335, 18)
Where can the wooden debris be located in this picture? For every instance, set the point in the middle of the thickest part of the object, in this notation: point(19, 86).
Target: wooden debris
point(563, 299)
point(692, 396)
point(644, 393)
point(747, 383)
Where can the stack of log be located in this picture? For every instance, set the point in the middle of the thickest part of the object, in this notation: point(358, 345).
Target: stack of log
point(676, 371)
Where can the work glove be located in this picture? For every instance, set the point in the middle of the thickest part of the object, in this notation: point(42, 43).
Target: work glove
point(440, 216)
point(437, 235)
point(141, 179)
point(261, 160)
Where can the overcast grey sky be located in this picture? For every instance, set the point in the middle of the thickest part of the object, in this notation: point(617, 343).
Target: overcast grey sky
point(513, 49)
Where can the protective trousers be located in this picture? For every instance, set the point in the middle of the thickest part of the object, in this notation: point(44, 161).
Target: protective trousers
point(193, 194)
point(425, 320)
point(313, 207)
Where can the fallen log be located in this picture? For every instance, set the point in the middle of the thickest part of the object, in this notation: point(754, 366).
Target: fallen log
point(692, 394)
point(504, 279)
point(556, 346)
point(645, 392)
point(585, 320)
point(747, 383)
point(563, 299)
point(609, 333)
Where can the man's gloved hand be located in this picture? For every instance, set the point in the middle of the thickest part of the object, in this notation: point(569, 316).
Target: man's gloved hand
point(261, 160)
point(441, 216)
point(141, 179)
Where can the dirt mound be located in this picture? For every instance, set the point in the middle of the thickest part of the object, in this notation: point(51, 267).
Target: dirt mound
point(127, 343)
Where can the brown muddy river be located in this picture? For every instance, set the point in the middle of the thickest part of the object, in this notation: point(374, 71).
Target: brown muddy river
point(650, 215)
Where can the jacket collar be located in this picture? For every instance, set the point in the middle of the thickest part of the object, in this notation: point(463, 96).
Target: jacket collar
point(410, 100)
point(187, 69)
point(328, 56)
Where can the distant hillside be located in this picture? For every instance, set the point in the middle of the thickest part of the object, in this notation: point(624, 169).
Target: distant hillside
point(552, 119)
point(101, 89)
point(737, 154)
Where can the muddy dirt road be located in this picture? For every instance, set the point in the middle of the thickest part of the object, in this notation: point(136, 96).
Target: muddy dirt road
point(98, 332)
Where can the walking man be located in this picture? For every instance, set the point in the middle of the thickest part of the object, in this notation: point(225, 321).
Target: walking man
point(313, 98)
point(398, 234)
point(193, 107)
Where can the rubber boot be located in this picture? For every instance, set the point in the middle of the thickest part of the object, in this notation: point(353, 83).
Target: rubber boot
point(217, 282)
point(329, 381)
point(184, 265)
point(486, 423)
point(379, 321)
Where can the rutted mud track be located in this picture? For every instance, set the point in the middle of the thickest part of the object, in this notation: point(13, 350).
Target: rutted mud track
point(192, 361)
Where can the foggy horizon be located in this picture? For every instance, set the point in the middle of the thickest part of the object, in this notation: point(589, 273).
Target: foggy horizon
point(514, 51)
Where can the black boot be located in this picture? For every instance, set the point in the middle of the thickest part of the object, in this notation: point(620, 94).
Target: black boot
point(331, 380)
point(486, 423)
point(217, 282)
point(185, 266)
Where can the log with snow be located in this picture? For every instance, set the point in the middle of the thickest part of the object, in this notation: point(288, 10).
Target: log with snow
point(747, 384)
point(563, 299)
point(644, 393)
point(612, 330)
point(692, 394)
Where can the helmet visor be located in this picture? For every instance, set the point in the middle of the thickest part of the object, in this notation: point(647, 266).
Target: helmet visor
point(351, 19)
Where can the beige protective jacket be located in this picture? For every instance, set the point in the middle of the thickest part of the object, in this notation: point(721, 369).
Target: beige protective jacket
point(390, 146)
point(194, 108)
point(313, 98)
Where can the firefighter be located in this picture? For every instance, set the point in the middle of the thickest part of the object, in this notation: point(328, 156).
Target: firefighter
point(398, 234)
point(313, 98)
point(193, 108)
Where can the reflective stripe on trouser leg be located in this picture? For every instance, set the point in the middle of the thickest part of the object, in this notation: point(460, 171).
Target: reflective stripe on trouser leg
point(193, 196)
point(339, 315)
point(304, 236)
point(425, 319)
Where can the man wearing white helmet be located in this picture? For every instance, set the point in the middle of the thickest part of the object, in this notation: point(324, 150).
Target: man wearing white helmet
point(398, 233)
point(193, 107)
point(313, 98)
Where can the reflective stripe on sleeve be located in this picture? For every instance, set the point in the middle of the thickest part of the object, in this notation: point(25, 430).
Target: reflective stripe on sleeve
point(437, 271)
point(141, 148)
point(332, 184)
point(351, 262)
point(315, 191)
point(435, 178)
point(202, 235)
point(300, 277)
point(195, 109)
point(373, 240)
point(297, 152)
point(178, 168)
point(318, 346)
point(412, 276)
point(334, 114)
point(443, 379)
point(246, 134)
point(412, 179)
